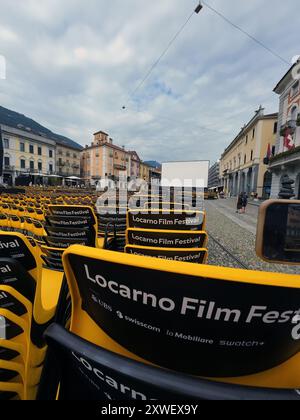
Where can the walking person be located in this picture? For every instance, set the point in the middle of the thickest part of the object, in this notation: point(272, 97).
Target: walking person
point(239, 203)
point(244, 202)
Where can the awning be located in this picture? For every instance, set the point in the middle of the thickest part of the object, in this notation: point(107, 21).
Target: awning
point(74, 178)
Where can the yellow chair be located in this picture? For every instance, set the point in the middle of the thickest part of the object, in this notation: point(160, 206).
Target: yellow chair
point(12, 388)
point(166, 238)
point(229, 325)
point(191, 255)
point(166, 219)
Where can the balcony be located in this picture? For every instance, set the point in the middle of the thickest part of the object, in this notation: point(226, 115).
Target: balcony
point(291, 124)
point(120, 167)
point(291, 157)
point(8, 168)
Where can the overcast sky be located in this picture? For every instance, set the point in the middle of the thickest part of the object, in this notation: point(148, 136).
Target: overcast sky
point(71, 65)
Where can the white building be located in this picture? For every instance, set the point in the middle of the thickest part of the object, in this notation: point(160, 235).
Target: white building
point(287, 155)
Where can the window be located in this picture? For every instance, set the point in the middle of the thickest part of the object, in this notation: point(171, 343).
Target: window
point(50, 153)
point(6, 143)
point(22, 147)
point(253, 133)
point(39, 151)
point(31, 149)
point(294, 113)
point(22, 163)
point(40, 166)
point(59, 162)
point(31, 165)
point(245, 159)
point(50, 168)
point(247, 139)
point(275, 128)
point(295, 89)
point(6, 161)
point(251, 155)
point(74, 156)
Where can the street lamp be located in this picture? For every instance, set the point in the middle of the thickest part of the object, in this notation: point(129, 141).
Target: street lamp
point(199, 8)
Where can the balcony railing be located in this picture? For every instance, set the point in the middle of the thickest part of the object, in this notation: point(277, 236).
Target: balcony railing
point(291, 125)
point(286, 155)
point(9, 168)
point(120, 167)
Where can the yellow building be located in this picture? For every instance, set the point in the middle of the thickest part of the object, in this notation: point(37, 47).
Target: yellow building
point(68, 160)
point(104, 160)
point(26, 153)
point(144, 172)
point(243, 165)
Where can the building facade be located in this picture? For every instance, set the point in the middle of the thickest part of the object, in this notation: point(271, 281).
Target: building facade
point(144, 172)
point(26, 153)
point(287, 155)
point(68, 160)
point(104, 160)
point(214, 176)
point(243, 165)
point(33, 153)
point(135, 165)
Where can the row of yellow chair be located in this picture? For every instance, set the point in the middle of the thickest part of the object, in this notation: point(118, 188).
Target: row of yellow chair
point(24, 283)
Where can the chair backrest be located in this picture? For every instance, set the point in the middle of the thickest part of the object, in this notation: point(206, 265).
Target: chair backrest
point(207, 321)
point(192, 255)
point(72, 223)
point(166, 219)
point(87, 372)
point(17, 247)
point(166, 238)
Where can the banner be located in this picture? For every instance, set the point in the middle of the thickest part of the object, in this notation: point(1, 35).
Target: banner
point(166, 238)
point(65, 221)
point(13, 247)
point(72, 222)
point(72, 233)
point(72, 211)
point(169, 220)
point(54, 242)
point(195, 255)
point(198, 325)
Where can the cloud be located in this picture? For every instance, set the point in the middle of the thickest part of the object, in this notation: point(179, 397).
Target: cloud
point(72, 66)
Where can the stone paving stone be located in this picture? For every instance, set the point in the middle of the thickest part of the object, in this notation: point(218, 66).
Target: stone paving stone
point(238, 240)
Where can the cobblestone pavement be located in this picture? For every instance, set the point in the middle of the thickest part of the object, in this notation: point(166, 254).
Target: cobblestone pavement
point(237, 233)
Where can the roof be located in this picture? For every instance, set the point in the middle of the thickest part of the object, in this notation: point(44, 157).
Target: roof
point(112, 146)
point(134, 155)
point(277, 88)
point(100, 132)
point(153, 164)
point(21, 122)
point(257, 117)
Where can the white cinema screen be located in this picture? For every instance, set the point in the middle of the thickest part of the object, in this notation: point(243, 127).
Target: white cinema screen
point(189, 174)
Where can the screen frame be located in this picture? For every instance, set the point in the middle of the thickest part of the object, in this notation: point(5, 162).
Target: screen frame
point(262, 225)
